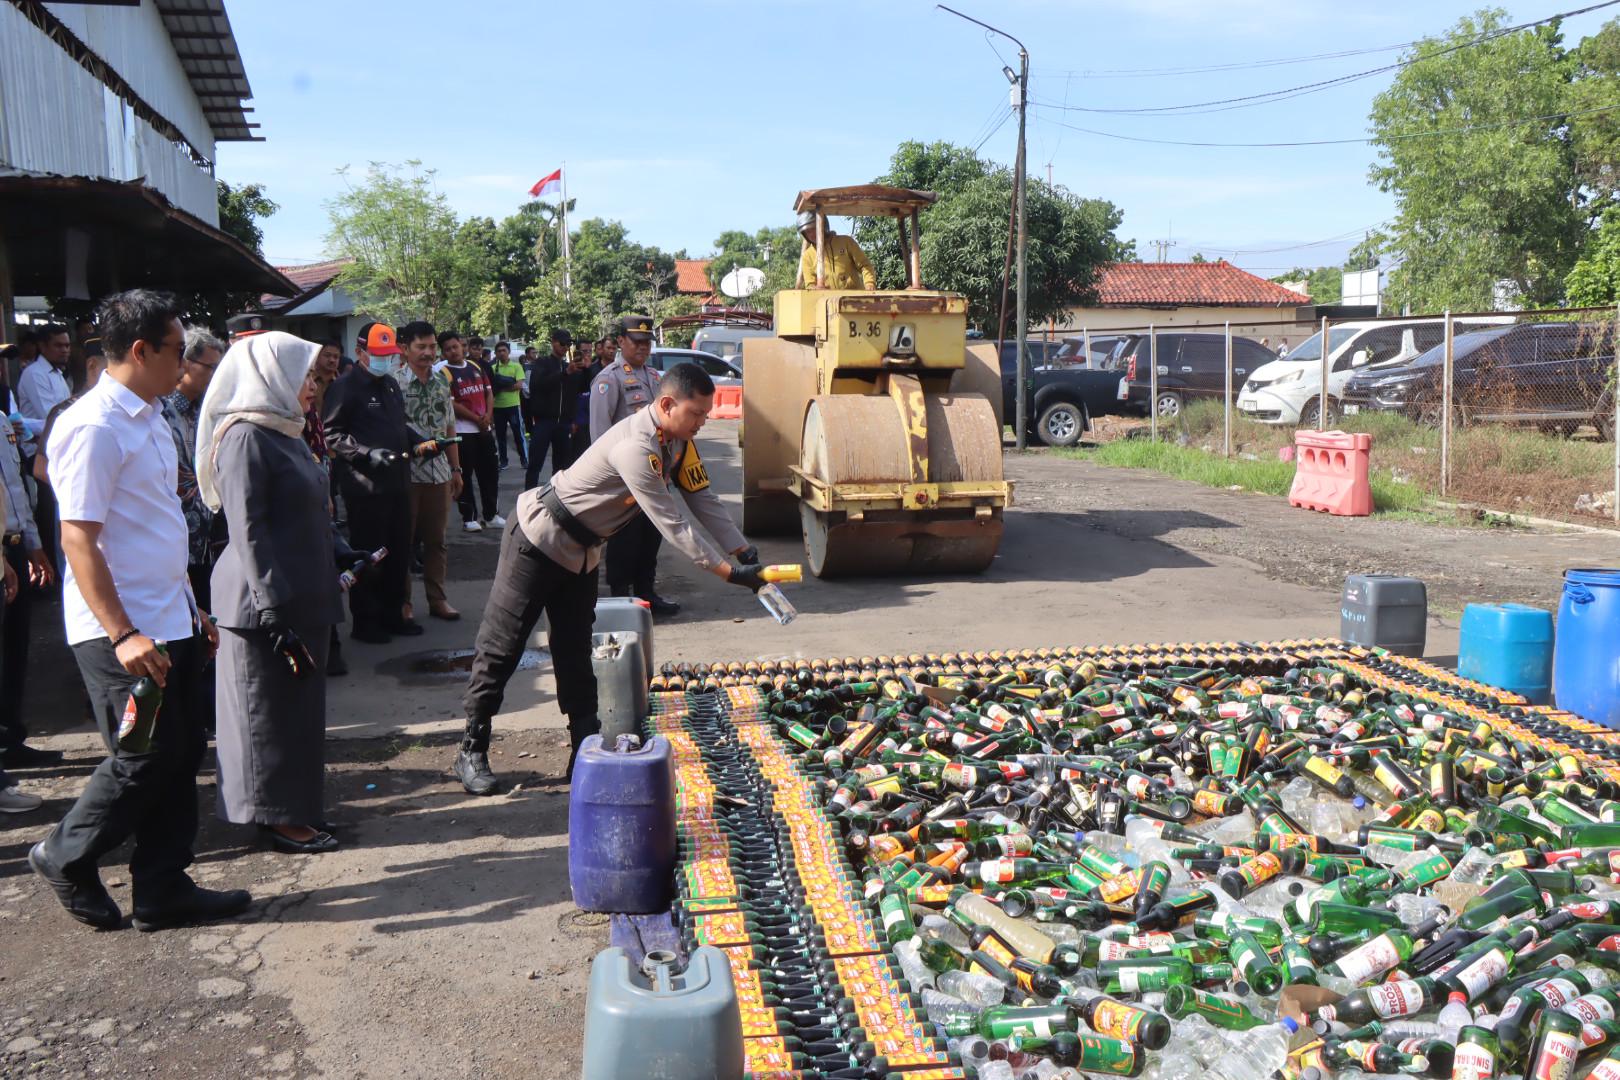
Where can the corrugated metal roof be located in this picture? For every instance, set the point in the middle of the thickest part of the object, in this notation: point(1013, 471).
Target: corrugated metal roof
point(206, 46)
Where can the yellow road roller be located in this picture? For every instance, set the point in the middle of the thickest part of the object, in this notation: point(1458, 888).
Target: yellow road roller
point(871, 426)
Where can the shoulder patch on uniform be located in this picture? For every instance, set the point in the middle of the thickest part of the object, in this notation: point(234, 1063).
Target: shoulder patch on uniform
point(601, 387)
point(690, 475)
point(657, 464)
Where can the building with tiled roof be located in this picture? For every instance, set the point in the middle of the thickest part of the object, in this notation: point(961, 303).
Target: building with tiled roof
point(692, 278)
point(320, 311)
point(1133, 296)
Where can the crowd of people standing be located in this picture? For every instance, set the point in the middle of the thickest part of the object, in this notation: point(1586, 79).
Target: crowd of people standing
point(213, 502)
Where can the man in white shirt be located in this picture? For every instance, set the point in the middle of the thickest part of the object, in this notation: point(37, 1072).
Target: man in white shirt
point(41, 387)
point(130, 615)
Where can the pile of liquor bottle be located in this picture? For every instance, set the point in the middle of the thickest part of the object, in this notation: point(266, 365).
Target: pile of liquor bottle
point(1220, 861)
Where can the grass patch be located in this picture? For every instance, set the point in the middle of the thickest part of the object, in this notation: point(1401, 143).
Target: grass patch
point(1268, 477)
point(1516, 469)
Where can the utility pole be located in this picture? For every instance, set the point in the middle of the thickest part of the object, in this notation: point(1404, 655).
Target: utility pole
point(1020, 100)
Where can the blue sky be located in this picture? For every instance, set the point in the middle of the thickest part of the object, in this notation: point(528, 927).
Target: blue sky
point(682, 119)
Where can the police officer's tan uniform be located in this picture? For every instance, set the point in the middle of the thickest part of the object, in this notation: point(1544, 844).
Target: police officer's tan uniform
point(548, 562)
point(621, 391)
point(632, 468)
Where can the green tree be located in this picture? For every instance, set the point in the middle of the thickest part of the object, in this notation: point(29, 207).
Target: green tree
point(240, 210)
point(1595, 137)
point(608, 263)
point(1495, 202)
point(492, 311)
point(547, 306)
point(1594, 280)
point(774, 250)
point(1198, 257)
point(1324, 284)
point(410, 259)
point(964, 234)
point(668, 308)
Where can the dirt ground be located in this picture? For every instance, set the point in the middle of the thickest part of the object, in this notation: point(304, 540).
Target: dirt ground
point(440, 941)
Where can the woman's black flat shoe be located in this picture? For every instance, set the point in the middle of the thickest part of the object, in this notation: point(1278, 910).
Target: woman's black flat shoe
point(315, 845)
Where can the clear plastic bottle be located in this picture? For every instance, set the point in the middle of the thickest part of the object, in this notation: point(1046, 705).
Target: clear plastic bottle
point(971, 987)
point(939, 928)
point(1415, 910)
point(945, 1009)
point(917, 973)
point(1262, 1052)
point(775, 602)
point(996, 1070)
point(1453, 1017)
point(1472, 867)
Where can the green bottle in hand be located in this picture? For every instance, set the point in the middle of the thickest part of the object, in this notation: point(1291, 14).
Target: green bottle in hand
point(140, 713)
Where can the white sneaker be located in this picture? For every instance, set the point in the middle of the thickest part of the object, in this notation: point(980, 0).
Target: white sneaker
point(471, 526)
point(496, 522)
point(14, 800)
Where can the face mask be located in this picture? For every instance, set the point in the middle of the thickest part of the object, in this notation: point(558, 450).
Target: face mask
point(383, 365)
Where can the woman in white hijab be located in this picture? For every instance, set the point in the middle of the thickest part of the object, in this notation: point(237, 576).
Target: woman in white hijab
point(276, 594)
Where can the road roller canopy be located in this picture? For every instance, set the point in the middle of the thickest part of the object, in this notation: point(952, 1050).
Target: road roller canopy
point(864, 200)
point(869, 200)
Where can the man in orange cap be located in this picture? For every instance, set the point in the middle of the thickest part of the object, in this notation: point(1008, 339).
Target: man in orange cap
point(371, 443)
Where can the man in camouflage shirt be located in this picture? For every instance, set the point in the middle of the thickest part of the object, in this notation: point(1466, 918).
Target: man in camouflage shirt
point(436, 478)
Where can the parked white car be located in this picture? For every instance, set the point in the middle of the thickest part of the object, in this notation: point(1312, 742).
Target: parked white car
point(1289, 389)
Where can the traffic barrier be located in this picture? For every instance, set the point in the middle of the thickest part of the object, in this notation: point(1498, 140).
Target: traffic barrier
point(1331, 473)
point(727, 403)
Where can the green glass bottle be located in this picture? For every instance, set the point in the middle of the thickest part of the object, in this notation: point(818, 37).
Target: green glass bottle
point(1385, 1001)
point(1477, 1056)
point(1557, 1047)
point(1088, 1053)
point(1180, 1001)
point(1254, 964)
point(1382, 954)
point(139, 720)
point(1005, 1021)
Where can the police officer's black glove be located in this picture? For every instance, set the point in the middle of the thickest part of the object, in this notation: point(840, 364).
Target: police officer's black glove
point(750, 576)
point(287, 644)
point(749, 554)
point(381, 459)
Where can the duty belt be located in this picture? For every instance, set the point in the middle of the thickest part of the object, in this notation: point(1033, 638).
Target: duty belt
point(565, 518)
point(13, 539)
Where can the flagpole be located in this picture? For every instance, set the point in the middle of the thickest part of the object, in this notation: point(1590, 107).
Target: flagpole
point(562, 218)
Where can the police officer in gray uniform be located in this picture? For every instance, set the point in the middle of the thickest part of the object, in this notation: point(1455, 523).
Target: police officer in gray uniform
point(552, 545)
point(624, 388)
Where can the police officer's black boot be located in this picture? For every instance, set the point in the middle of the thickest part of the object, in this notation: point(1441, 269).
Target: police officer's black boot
point(580, 728)
point(472, 763)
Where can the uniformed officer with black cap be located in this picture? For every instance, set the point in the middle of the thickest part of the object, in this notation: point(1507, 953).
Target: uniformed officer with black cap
point(624, 388)
point(553, 543)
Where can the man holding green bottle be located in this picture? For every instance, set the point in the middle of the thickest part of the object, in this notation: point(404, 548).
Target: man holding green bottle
point(129, 612)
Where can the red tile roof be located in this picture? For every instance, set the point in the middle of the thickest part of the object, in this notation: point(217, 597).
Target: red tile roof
point(692, 277)
point(310, 278)
point(1211, 284)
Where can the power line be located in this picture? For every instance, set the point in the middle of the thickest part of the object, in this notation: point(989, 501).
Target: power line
point(1270, 96)
point(1336, 142)
point(1348, 234)
point(1280, 61)
point(999, 123)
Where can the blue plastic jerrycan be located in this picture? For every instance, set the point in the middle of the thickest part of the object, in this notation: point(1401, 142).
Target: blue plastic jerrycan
point(621, 826)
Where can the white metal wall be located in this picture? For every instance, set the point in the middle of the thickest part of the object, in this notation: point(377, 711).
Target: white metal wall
point(57, 118)
point(134, 42)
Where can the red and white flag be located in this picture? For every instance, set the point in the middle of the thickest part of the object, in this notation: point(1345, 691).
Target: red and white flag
point(547, 184)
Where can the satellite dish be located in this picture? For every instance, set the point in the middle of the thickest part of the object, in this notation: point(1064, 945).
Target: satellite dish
point(742, 282)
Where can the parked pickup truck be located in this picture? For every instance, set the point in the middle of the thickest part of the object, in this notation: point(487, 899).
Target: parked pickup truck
point(1062, 400)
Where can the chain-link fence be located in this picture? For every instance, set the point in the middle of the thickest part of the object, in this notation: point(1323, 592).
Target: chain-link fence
point(1510, 411)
